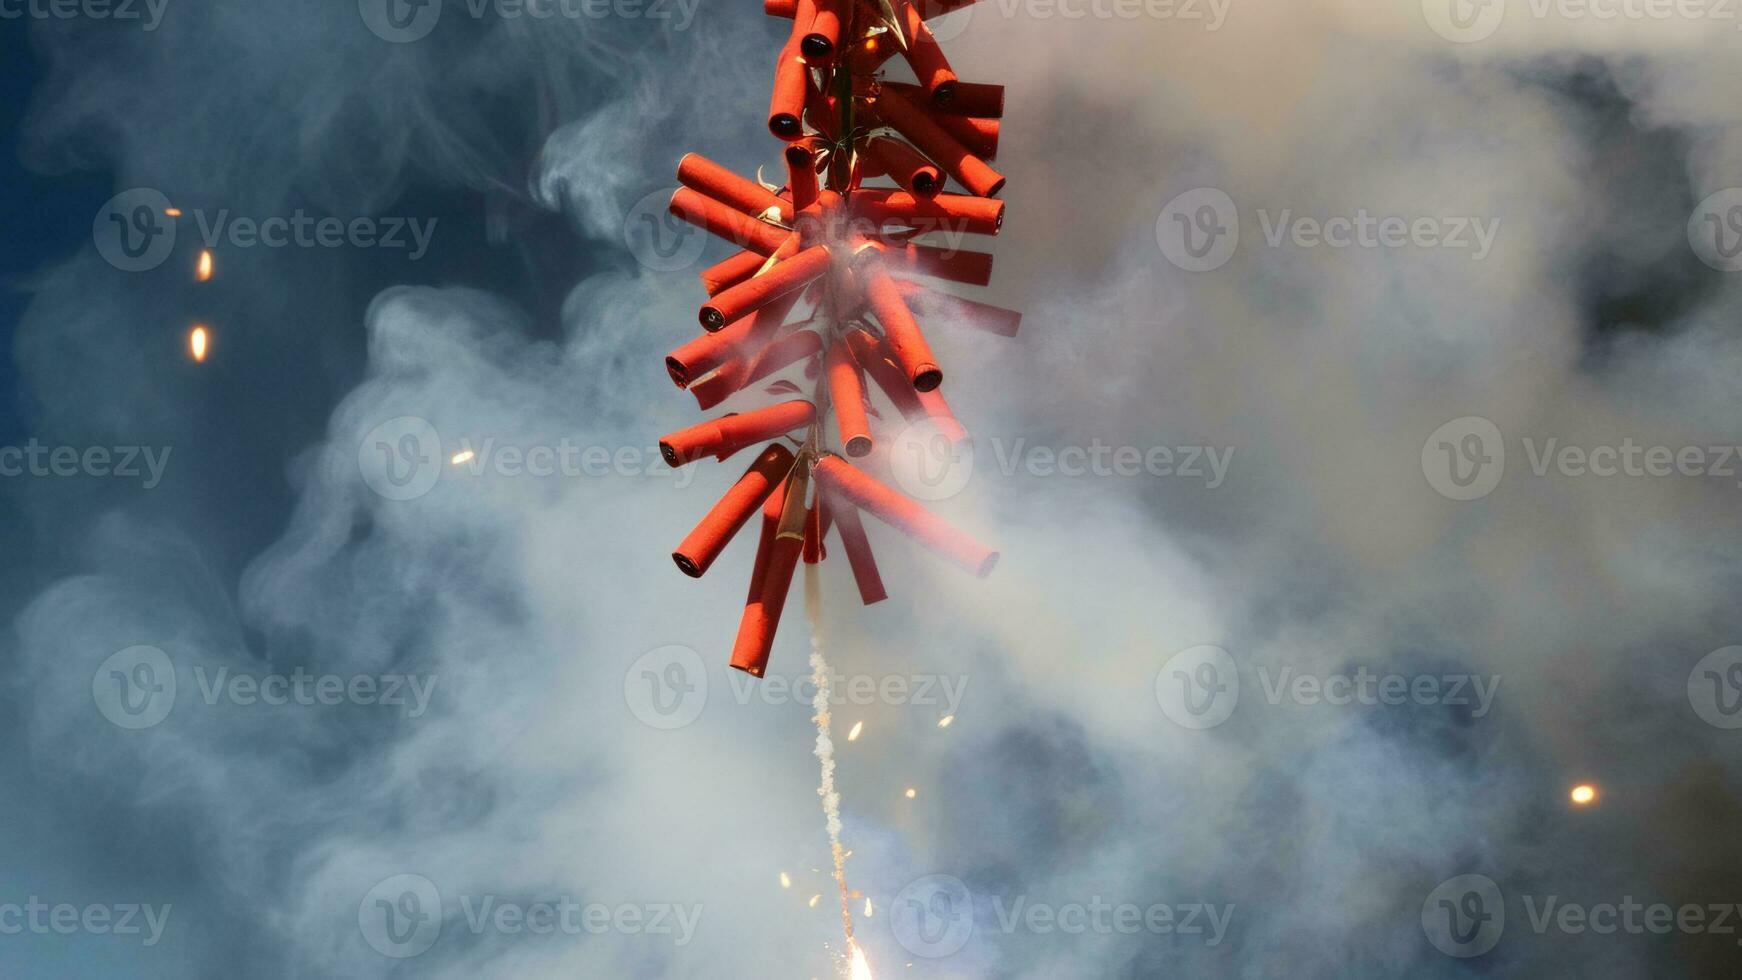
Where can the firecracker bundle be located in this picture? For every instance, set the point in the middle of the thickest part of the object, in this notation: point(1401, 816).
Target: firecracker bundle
point(828, 273)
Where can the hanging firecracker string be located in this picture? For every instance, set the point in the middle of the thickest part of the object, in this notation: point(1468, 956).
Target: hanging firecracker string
point(848, 253)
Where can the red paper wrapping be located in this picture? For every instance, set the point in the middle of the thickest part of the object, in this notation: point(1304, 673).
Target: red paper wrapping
point(847, 395)
point(787, 9)
point(739, 373)
point(874, 358)
point(823, 35)
point(705, 176)
point(968, 170)
point(731, 271)
point(906, 166)
point(779, 559)
point(727, 222)
point(971, 98)
point(950, 213)
point(923, 54)
point(795, 273)
point(859, 558)
point(801, 173)
point(792, 86)
point(934, 304)
point(722, 523)
point(743, 339)
point(906, 342)
point(937, 408)
point(955, 264)
point(848, 485)
point(724, 436)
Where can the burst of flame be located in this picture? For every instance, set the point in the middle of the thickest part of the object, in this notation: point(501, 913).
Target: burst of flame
point(859, 968)
point(198, 341)
point(946, 721)
point(466, 456)
point(1584, 794)
point(203, 271)
point(853, 736)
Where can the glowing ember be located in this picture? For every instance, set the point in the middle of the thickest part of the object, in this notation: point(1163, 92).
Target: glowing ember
point(853, 736)
point(785, 881)
point(198, 342)
point(172, 212)
point(1584, 794)
point(204, 271)
point(946, 721)
point(466, 456)
point(815, 899)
